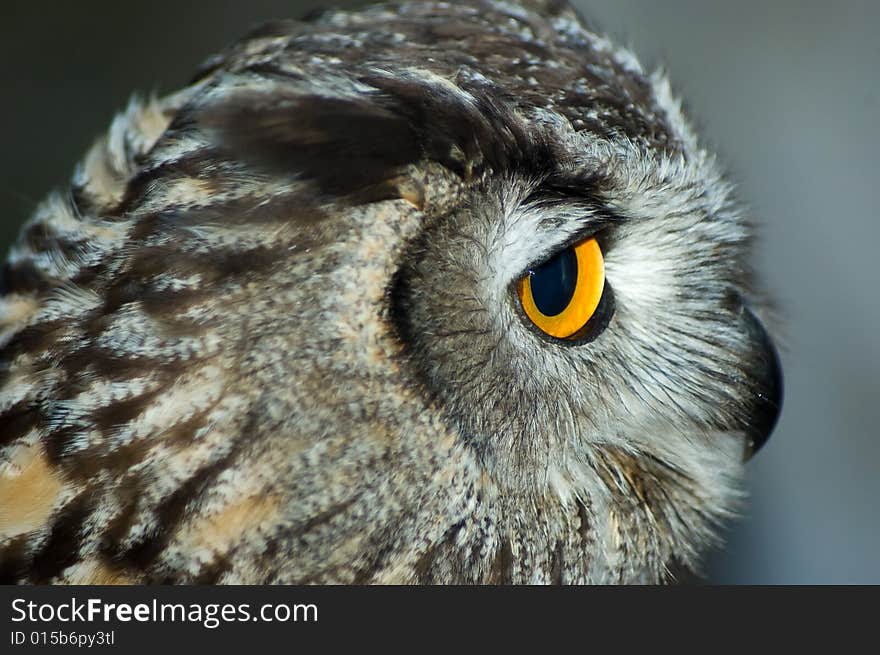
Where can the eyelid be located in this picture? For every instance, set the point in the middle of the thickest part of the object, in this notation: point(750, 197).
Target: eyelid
point(595, 229)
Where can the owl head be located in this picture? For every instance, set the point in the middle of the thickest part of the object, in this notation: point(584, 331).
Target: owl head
point(429, 292)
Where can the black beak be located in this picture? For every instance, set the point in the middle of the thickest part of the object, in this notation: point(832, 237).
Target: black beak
point(766, 379)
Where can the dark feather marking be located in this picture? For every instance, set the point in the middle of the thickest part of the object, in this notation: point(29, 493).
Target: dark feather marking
point(58, 441)
point(501, 571)
point(41, 240)
point(15, 559)
point(343, 146)
point(206, 164)
point(137, 284)
point(423, 568)
point(17, 421)
point(226, 264)
point(81, 202)
point(98, 363)
point(119, 459)
point(61, 549)
point(489, 133)
point(584, 529)
point(257, 210)
point(122, 458)
point(89, 276)
point(33, 339)
point(210, 573)
point(23, 277)
point(120, 412)
point(120, 525)
point(557, 562)
point(142, 555)
point(322, 517)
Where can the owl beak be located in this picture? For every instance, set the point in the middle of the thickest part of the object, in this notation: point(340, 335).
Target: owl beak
point(768, 387)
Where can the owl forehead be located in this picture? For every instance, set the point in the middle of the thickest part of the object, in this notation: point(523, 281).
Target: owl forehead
point(357, 108)
point(422, 59)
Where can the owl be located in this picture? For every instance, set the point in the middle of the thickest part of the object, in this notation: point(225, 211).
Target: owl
point(425, 292)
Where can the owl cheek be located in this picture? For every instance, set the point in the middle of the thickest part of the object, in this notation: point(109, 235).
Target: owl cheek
point(765, 401)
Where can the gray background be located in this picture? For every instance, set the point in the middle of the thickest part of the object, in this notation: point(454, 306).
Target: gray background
point(787, 93)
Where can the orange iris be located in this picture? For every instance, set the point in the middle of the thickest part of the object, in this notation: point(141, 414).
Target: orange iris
point(562, 294)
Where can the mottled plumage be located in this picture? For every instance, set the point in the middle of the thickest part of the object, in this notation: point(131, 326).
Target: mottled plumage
point(270, 334)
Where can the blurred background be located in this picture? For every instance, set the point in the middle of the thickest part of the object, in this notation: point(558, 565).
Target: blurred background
point(786, 92)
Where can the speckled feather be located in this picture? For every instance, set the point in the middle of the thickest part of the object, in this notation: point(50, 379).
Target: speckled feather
point(269, 335)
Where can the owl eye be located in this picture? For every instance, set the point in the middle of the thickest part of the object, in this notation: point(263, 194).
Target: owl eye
point(561, 295)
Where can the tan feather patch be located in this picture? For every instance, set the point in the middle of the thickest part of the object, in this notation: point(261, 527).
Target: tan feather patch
point(29, 490)
point(92, 572)
point(15, 311)
point(220, 532)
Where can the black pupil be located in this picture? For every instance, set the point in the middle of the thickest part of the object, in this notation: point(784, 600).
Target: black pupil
point(553, 282)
